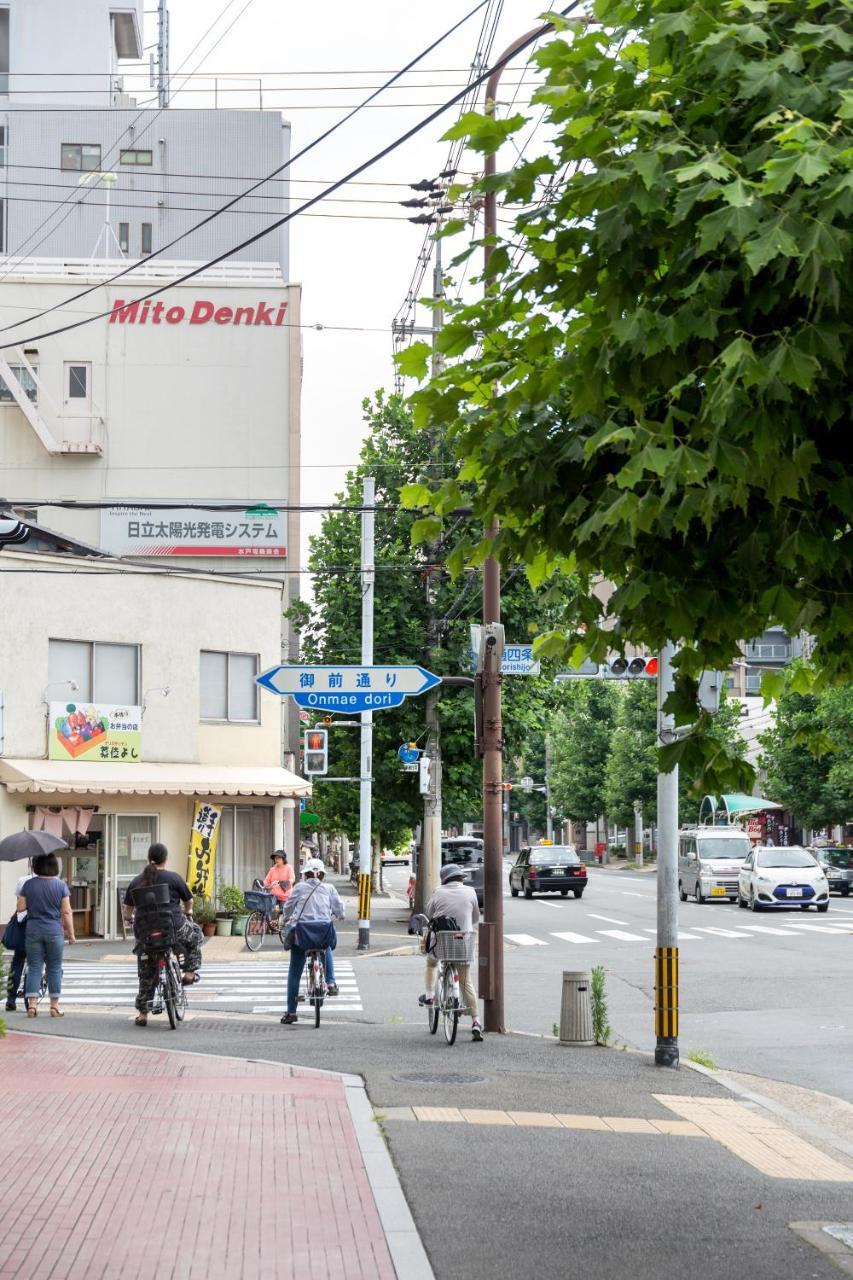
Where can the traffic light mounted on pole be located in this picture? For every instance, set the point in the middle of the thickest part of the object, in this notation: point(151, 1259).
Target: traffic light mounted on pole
point(315, 752)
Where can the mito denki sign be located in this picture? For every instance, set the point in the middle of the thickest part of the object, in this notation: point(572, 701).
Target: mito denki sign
point(203, 311)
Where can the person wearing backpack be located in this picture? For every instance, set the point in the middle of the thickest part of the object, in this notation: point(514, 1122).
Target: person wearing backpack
point(454, 907)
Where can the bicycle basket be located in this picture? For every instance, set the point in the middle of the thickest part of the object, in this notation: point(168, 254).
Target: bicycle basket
point(456, 947)
point(155, 927)
point(257, 900)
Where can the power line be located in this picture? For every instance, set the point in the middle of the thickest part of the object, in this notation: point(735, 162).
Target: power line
point(173, 208)
point(292, 160)
point(266, 88)
point(354, 173)
point(148, 172)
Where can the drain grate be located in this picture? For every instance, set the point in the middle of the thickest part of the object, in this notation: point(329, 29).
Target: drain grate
point(439, 1077)
point(242, 1028)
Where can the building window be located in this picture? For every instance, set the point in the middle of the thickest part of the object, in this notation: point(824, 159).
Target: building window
point(26, 380)
point(78, 381)
point(146, 238)
point(228, 688)
point(136, 157)
point(124, 237)
point(102, 672)
point(85, 156)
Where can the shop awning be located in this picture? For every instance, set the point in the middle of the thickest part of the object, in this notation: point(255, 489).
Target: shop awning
point(92, 778)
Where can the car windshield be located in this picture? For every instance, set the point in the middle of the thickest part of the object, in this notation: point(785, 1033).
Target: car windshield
point(461, 854)
point(837, 858)
point(724, 848)
point(784, 858)
point(553, 856)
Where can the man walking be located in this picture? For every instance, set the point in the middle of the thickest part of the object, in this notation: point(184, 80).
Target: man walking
point(454, 900)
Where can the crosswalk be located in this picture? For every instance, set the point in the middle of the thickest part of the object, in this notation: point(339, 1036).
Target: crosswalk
point(785, 928)
point(249, 986)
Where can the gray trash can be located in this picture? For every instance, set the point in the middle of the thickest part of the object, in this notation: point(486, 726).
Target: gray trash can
point(576, 1010)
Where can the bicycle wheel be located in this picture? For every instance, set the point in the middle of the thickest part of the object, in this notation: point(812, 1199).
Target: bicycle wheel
point(178, 987)
point(282, 929)
point(255, 929)
point(432, 1010)
point(167, 987)
point(317, 985)
point(449, 1006)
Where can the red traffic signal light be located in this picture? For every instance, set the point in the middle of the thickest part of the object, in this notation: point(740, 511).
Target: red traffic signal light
point(652, 666)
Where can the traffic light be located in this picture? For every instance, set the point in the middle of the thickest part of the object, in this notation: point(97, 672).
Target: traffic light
point(315, 752)
point(620, 668)
point(424, 775)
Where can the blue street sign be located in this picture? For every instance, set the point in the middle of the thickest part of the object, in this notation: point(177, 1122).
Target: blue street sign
point(408, 754)
point(348, 688)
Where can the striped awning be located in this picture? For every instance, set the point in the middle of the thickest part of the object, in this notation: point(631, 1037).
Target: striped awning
point(90, 778)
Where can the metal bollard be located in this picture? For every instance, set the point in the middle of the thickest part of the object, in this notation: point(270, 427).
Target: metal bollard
point(576, 1010)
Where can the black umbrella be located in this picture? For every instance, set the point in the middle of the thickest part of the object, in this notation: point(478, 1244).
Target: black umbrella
point(26, 844)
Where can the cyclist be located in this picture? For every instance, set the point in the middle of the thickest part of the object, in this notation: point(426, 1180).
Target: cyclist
point(279, 879)
point(456, 902)
point(338, 906)
point(312, 909)
point(188, 935)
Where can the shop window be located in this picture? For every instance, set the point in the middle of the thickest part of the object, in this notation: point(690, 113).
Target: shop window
point(102, 672)
point(80, 156)
point(147, 239)
point(26, 381)
point(134, 834)
point(124, 237)
point(136, 156)
point(246, 836)
point(228, 691)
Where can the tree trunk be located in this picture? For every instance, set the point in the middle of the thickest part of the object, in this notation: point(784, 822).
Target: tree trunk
point(376, 867)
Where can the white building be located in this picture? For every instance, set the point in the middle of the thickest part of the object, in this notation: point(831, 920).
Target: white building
point(172, 654)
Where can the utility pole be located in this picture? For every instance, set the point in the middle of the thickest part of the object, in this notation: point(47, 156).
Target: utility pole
point(666, 953)
point(491, 742)
point(365, 813)
point(638, 831)
point(549, 820)
point(162, 54)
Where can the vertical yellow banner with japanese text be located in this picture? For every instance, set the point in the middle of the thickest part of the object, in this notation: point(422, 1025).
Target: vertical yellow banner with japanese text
point(204, 838)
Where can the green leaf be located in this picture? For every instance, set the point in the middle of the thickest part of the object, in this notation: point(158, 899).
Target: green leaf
point(737, 222)
point(414, 497)
point(484, 132)
point(413, 361)
point(425, 530)
point(708, 166)
point(807, 164)
point(774, 242)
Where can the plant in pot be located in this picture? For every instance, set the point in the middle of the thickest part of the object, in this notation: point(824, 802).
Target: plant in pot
point(204, 914)
point(233, 910)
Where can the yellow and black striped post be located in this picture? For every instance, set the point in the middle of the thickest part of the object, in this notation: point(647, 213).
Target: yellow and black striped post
point(666, 1006)
point(363, 901)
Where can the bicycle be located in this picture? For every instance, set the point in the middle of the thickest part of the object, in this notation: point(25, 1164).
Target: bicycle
point(23, 986)
point(451, 949)
point(263, 919)
point(170, 992)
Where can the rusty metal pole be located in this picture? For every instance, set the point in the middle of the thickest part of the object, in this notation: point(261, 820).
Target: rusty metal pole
point(492, 962)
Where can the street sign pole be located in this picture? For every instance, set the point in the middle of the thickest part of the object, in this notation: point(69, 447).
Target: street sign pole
point(365, 813)
point(666, 953)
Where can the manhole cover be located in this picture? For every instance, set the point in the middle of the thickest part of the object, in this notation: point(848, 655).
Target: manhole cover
point(241, 1028)
point(439, 1077)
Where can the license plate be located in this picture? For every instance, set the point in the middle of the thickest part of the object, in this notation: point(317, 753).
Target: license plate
point(719, 892)
point(793, 893)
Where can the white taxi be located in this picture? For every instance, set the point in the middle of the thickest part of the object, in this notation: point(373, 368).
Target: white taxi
point(788, 876)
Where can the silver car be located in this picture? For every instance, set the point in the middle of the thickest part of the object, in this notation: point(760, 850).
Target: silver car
point(467, 853)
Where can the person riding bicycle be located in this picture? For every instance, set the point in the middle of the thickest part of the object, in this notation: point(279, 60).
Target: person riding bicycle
point(312, 907)
point(188, 935)
point(457, 902)
point(339, 913)
point(279, 879)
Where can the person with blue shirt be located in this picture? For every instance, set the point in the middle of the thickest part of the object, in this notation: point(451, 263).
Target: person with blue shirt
point(312, 909)
point(50, 925)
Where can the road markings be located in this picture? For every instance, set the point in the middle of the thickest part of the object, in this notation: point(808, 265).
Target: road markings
point(573, 937)
point(525, 940)
point(764, 928)
point(606, 919)
point(814, 928)
point(541, 1120)
point(682, 937)
point(621, 935)
point(720, 933)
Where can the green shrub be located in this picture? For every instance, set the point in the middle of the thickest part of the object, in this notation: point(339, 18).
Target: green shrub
point(231, 900)
point(600, 1025)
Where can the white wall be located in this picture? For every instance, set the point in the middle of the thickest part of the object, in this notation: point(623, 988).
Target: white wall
point(65, 37)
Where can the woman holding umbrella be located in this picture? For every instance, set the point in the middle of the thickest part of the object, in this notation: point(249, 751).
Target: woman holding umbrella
point(15, 848)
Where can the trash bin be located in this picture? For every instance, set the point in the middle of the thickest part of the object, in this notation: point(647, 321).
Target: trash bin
point(576, 1010)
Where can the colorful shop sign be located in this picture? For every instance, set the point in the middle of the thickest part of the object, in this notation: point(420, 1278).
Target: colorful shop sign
point(94, 731)
point(204, 838)
point(260, 531)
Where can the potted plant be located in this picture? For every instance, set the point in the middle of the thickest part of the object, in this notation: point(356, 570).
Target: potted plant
point(232, 913)
point(204, 914)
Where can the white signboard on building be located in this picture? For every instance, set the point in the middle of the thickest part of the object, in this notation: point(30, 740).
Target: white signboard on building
point(145, 531)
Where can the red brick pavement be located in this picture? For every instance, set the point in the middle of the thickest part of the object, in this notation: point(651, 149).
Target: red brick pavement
point(134, 1164)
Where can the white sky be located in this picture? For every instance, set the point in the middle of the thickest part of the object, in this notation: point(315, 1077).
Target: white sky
point(354, 271)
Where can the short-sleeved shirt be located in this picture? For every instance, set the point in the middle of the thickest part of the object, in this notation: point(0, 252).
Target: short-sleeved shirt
point(280, 881)
point(43, 896)
point(178, 890)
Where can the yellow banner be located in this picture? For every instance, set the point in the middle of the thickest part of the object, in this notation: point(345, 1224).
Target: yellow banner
point(204, 838)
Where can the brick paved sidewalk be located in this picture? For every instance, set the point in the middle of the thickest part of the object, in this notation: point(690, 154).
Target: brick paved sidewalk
point(132, 1163)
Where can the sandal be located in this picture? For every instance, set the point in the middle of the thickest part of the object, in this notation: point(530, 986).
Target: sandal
point(32, 1010)
point(141, 1020)
point(56, 1012)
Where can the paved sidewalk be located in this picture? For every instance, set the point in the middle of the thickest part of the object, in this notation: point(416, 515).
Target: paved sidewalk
point(133, 1163)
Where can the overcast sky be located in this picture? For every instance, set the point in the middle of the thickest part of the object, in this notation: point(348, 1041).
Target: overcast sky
point(355, 270)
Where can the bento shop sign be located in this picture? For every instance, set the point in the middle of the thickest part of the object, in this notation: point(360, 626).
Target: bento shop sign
point(268, 314)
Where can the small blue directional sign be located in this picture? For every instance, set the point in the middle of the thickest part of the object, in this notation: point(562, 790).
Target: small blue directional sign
point(408, 754)
point(348, 688)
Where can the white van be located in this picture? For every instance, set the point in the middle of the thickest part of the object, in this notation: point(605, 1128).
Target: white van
point(709, 861)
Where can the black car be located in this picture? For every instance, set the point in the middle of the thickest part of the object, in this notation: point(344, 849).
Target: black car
point(548, 868)
point(838, 868)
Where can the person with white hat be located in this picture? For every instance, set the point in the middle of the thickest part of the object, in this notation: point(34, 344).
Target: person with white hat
point(455, 901)
point(339, 912)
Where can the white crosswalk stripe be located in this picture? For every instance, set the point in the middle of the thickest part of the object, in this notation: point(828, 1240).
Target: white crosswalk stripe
point(524, 940)
point(696, 933)
point(258, 986)
point(621, 935)
point(572, 937)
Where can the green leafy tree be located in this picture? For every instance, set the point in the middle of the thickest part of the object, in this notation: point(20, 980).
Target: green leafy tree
point(655, 389)
point(817, 788)
point(581, 732)
point(630, 772)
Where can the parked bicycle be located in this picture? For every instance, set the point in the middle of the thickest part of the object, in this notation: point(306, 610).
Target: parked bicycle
point(265, 917)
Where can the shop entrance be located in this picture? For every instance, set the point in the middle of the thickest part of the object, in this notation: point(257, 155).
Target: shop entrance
point(82, 867)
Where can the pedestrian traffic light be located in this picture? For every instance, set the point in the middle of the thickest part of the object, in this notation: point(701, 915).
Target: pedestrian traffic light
point(315, 752)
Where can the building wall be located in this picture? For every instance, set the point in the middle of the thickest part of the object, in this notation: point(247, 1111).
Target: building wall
point(68, 36)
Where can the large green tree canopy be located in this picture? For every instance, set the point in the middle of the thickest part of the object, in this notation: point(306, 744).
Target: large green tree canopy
point(654, 389)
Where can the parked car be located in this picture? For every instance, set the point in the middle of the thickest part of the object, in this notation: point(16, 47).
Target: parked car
point(709, 861)
point(837, 866)
point(396, 857)
point(548, 868)
point(788, 876)
point(466, 852)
